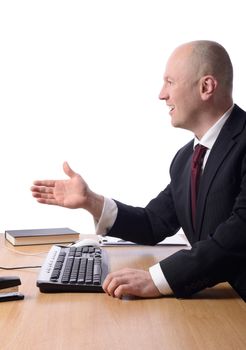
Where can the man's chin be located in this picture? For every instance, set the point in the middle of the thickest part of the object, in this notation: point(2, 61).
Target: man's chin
point(175, 123)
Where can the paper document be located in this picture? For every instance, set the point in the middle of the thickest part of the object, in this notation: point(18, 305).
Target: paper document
point(178, 239)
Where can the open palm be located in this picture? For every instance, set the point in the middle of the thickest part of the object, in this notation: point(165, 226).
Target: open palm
point(71, 193)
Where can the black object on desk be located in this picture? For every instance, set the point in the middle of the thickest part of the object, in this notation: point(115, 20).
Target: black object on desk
point(9, 288)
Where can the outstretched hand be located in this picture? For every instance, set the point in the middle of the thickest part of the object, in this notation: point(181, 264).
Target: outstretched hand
point(71, 193)
point(130, 282)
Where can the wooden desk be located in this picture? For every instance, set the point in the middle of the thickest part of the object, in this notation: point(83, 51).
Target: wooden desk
point(214, 319)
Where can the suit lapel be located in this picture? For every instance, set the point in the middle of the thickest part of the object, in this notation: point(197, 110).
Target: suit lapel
point(223, 145)
point(187, 199)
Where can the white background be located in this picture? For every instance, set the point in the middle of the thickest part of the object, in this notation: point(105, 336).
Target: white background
point(79, 81)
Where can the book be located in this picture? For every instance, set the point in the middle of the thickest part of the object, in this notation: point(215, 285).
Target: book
point(41, 236)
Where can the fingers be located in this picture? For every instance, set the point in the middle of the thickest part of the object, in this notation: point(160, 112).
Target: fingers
point(47, 183)
point(42, 189)
point(121, 291)
point(115, 284)
point(51, 183)
point(67, 170)
point(46, 201)
point(43, 194)
point(132, 282)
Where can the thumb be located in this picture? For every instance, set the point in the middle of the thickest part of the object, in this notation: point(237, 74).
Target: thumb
point(67, 170)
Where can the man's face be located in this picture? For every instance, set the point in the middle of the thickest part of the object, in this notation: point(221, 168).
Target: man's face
point(181, 89)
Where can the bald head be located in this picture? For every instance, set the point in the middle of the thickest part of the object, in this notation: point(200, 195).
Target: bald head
point(210, 58)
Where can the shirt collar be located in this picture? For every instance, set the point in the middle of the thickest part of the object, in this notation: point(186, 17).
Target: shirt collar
point(211, 135)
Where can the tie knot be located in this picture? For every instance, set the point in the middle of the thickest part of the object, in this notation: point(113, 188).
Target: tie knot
point(198, 154)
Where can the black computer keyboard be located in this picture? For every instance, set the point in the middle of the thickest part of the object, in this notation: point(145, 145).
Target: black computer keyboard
point(73, 269)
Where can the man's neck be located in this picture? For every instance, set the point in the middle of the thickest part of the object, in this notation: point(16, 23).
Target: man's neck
point(215, 128)
point(209, 119)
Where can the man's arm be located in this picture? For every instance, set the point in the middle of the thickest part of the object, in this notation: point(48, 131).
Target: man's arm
point(75, 193)
point(129, 281)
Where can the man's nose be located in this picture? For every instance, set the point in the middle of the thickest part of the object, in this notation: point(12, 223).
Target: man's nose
point(163, 93)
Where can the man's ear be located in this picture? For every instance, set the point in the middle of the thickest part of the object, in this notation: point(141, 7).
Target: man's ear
point(208, 85)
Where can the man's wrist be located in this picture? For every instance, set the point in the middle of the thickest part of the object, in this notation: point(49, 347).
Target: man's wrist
point(94, 204)
point(107, 218)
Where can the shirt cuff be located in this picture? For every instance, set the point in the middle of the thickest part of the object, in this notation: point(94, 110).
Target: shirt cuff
point(108, 217)
point(160, 280)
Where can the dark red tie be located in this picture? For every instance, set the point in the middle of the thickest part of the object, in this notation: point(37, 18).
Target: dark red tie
point(196, 167)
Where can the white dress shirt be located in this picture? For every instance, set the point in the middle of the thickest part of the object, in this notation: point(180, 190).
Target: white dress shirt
point(110, 209)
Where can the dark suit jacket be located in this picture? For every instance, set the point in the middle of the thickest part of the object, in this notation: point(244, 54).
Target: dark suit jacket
point(218, 242)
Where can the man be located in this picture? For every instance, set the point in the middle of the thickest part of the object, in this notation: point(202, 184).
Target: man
point(198, 91)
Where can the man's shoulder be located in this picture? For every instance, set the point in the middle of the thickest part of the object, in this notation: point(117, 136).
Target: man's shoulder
point(182, 156)
point(237, 113)
point(237, 109)
point(236, 123)
point(185, 150)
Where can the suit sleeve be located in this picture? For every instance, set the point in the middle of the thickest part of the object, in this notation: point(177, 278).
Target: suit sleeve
point(148, 225)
